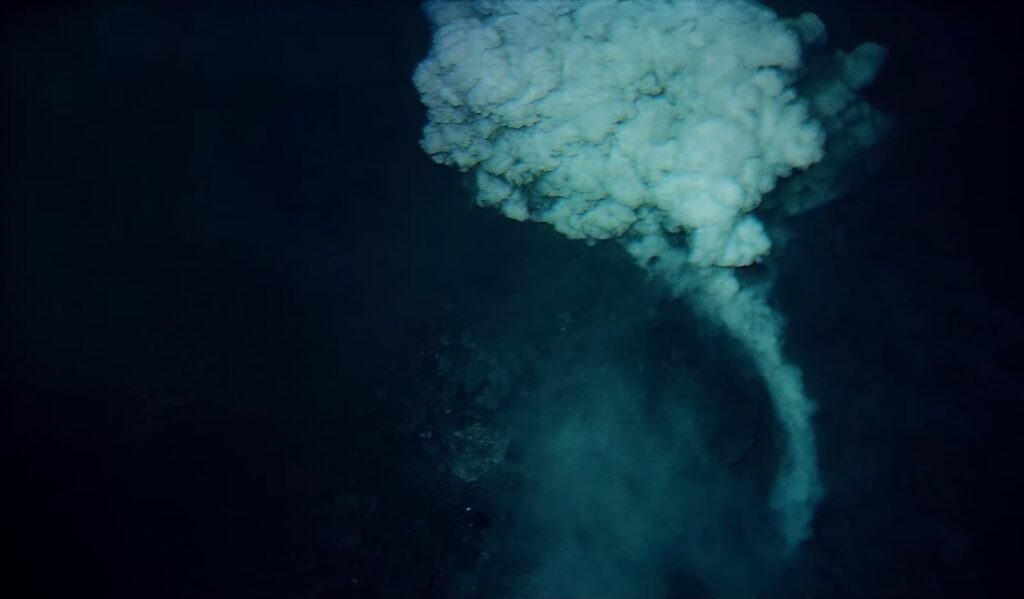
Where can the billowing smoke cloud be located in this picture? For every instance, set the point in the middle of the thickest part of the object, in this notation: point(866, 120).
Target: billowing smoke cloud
point(661, 125)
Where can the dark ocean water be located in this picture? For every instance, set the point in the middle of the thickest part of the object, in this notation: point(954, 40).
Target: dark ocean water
point(257, 344)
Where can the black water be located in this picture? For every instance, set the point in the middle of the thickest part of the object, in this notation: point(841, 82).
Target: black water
point(228, 269)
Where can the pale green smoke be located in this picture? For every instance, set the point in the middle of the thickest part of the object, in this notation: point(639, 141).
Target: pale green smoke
point(662, 125)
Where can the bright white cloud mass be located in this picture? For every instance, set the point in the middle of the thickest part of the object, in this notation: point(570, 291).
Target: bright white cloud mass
point(662, 125)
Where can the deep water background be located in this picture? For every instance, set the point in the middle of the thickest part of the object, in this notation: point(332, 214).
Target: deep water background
point(244, 316)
